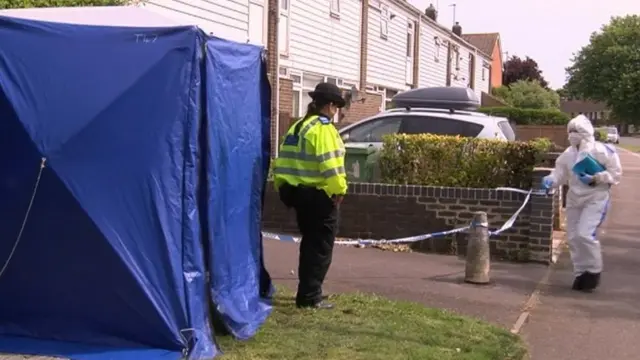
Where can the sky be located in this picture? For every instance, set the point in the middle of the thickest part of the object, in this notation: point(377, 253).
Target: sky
point(548, 31)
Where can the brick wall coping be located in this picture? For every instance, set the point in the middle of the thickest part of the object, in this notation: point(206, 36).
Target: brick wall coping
point(435, 191)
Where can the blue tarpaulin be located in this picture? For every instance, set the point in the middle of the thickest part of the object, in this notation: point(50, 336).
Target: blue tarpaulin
point(236, 79)
point(133, 208)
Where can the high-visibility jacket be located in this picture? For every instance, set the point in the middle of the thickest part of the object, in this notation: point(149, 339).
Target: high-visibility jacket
point(312, 154)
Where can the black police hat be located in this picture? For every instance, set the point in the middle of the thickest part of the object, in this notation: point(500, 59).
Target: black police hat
point(329, 92)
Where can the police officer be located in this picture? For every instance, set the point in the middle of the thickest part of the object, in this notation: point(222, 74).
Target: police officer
point(310, 177)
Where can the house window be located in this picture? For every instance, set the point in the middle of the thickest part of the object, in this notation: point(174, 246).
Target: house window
point(410, 40)
point(384, 21)
point(257, 32)
point(283, 27)
point(456, 53)
point(436, 52)
point(388, 95)
point(484, 73)
point(295, 101)
point(302, 85)
point(335, 8)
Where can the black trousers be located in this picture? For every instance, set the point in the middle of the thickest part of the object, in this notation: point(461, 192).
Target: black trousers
point(317, 218)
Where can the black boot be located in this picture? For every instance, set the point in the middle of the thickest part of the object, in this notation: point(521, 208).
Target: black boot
point(578, 283)
point(586, 282)
point(591, 282)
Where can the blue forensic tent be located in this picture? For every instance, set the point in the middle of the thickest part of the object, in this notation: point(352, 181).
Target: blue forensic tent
point(146, 214)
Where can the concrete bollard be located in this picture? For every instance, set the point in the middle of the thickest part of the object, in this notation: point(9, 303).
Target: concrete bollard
point(478, 252)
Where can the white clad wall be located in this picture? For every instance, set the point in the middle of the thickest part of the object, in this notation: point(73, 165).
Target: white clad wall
point(483, 80)
point(433, 55)
point(387, 45)
point(459, 65)
point(226, 19)
point(323, 37)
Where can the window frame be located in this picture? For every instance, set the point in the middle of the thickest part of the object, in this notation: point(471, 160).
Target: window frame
point(299, 86)
point(372, 122)
point(334, 8)
point(285, 13)
point(426, 118)
point(265, 19)
point(384, 21)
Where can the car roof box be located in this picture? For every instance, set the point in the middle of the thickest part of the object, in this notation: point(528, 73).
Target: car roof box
point(452, 98)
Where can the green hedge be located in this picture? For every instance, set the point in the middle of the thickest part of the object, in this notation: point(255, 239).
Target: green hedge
point(529, 116)
point(459, 162)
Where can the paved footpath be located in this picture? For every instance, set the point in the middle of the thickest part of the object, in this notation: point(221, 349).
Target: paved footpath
point(606, 323)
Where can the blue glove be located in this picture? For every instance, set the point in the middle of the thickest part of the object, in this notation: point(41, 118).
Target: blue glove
point(586, 179)
point(547, 182)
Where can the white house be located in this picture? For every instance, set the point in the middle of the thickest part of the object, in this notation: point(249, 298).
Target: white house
point(434, 44)
point(390, 47)
point(319, 40)
point(228, 19)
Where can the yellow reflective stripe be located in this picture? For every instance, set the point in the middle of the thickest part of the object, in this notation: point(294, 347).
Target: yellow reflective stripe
point(315, 174)
point(331, 155)
point(303, 132)
point(334, 172)
point(294, 155)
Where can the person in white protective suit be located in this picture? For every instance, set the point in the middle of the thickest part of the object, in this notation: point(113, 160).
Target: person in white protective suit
point(587, 199)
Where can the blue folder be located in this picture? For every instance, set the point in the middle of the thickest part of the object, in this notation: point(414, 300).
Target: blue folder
point(589, 166)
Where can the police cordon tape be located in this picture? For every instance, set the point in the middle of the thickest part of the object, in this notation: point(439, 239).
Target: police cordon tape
point(405, 240)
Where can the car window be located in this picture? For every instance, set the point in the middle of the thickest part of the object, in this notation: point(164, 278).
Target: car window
point(439, 126)
point(507, 130)
point(612, 130)
point(374, 130)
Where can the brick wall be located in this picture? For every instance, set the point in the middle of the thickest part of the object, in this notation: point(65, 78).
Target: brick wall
point(286, 106)
point(382, 211)
point(556, 133)
point(272, 66)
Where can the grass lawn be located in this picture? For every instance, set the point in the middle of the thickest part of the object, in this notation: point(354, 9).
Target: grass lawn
point(365, 327)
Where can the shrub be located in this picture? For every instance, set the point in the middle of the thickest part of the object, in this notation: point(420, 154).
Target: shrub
point(436, 160)
point(529, 116)
point(528, 94)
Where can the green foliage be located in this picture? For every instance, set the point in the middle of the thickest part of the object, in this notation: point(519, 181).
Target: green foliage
point(529, 116)
point(458, 161)
point(516, 68)
point(601, 134)
point(527, 94)
point(607, 68)
point(542, 145)
point(18, 4)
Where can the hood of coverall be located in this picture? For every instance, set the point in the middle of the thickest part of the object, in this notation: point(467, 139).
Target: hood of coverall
point(581, 125)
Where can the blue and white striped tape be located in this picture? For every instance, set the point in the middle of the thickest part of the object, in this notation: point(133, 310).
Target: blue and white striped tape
point(364, 242)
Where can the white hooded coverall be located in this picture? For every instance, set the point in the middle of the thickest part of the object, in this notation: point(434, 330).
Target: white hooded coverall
point(586, 205)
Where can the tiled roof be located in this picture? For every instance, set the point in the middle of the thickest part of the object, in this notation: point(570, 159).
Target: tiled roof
point(484, 42)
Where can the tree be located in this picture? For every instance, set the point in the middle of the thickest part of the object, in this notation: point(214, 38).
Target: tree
point(528, 94)
point(563, 93)
point(607, 68)
point(18, 4)
point(516, 69)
